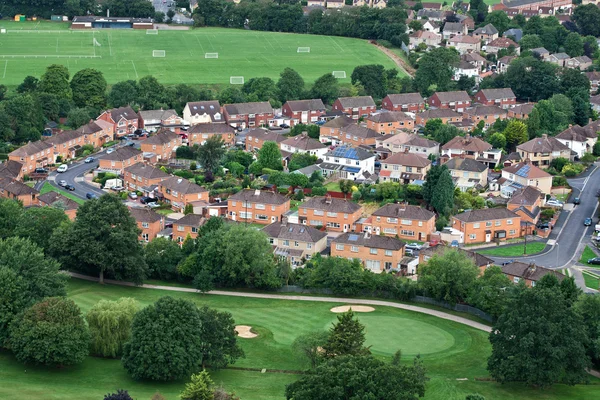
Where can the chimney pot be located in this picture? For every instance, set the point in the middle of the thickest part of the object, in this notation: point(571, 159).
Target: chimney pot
point(545, 136)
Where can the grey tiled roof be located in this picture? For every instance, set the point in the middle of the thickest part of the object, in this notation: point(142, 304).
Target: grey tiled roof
point(122, 153)
point(290, 231)
point(466, 164)
point(369, 241)
point(145, 215)
point(331, 204)
point(404, 211)
point(146, 171)
point(259, 196)
point(486, 214)
point(306, 105)
point(181, 185)
point(406, 98)
point(358, 101)
point(194, 220)
point(529, 271)
point(263, 107)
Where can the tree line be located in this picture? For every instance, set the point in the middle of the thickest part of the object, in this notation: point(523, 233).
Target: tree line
point(71, 8)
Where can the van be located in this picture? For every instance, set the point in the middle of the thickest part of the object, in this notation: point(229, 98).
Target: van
point(62, 168)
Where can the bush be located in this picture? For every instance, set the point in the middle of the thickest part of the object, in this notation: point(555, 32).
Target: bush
point(559, 181)
point(193, 166)
point(319, 191)
point(588, 158)
point(548, 213)
point(184, 174)
point(559, 163)
point(596, 150)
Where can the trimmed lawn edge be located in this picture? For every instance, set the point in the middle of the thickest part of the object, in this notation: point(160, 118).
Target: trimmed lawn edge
point(515, 250)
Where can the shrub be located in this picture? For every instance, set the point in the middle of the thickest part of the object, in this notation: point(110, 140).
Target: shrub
point(193, 166)
point(559, 181)
point(319, 191)
point(588, 158)
point(110, 326)
point(548, 213)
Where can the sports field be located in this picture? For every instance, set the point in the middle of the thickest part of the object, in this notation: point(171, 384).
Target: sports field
point(27, 48)
point(451, 353)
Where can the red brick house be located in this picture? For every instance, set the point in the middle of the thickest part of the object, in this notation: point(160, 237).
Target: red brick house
point(407, 102)
point(488, 114)
point(304, 111)
point(33, 155)
point(124, 119)
point(445, 114)
point(257, 206)
point(57, 200)
point(163, 144)
point(97, 133)
point(257, 137)
point(355, 107)
point(248, 114)
point(200, 133)
point(149, 223)
point(17, 190)
point(188, 226)
point(179, 192)
point(11, 169)
point(66, 144)
point(120, 159)
point(503, 98)
point(153, 120)
point(140, 176)
point(389, 122)
point(457, 100)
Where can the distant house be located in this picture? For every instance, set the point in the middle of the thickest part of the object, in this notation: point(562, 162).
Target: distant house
point(487, 224)
point(503, 98)
point(414, 144)
point(530, 273)
point(152, 120)
point(520, 111)
point(527, 202)
point(338, 215)
point(503, 63)
point(475, 59)
point(203, 112)
point(541, 151)
point(257, 206)
point(248, 114)
point(466, 69)
point(355, 107)
point(11, 169)
point(389, 122)
point(445, 114)
point(141, 176)
point(333, 127)
point(188, 226)
point(514, 33)
point(304, 144)
point(465, 44)
point(541, 52)
point(162, 144)
point(594, 78)
point(559, 59)
point(179, 192)
point(97, 133)
point(523, 174)
point(502, 43)
point(480, 261)
point(17, 190)
point(33, 155)
point(57, 200)
point(582, 63)
point(406, 102)
point(453, 29)
point(66, 144)
point(149, 223)
point(467, 173)
point(348, 162)
point(124, 120)
point(457, 100)
point(430, 39)
point(200, 133)
point(487, 114)
point(295, 242)
point(579, 139)
point(376, 253)
point(486, 33)
point(304, 111)
point(402, 220)
point(120, 159)
point(256, 138)
point(354, 135)
point(335, 3)
point(404, 168)
point(595, 102)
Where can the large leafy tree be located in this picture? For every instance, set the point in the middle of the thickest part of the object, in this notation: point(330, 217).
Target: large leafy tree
point(102, 240)
point(488, 292)
point(219, 338)
point(532, 79)
point(538, 338)
point(150, 93)
point(89, 88)
point(260, 89)
point(372, 78)
point(10, 214)
point(431, 180)
point(110, 326)
point(129, 8)
point(162, 257)
point(436, 69)
point(309, 346)
point(211, 153)
point(26, 276)
point(587, 18)
point(346, 337)
point(56, 81)
point(51, 332)
point(499, 19)
point(22, 117)
point(515, 133)
point(442, 199)
point(589, 308)
point(269, 156)
point(574, 44)
point(326, 88)
point(123, 93)
point(290, 85)
point(38, 224)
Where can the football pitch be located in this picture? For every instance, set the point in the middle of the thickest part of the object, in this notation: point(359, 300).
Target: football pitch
point(199, 56)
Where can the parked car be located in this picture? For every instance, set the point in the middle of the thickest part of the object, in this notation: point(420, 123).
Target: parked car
point(587, 222)
point(153, 205)
point(595, 261)
point(577, 200)
point(62, 183)
point(41, 171)
point(110, 150)
point(409, 252)
point(454, 243)
point(554, 203)
point(130, 144)
point(91, 196)
point(89, 160)
point(70, 187)
point(133, 195)
point(284, 126)
point(147, 200)
point(413, 246)
point(543, 225)
point(62, 168)
point(507, 262)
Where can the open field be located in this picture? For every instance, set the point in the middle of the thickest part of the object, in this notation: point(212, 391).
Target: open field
point(450, 351)
point(128, 54)
point(514, 250)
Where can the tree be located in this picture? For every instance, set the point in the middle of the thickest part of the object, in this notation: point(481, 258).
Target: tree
point(529, 42)
point(311, 130)
point(110, 326)
point(159, 17)
point(497, 140)
point(26, 276)
point(51, 332)
point(259, 89)
point(538, 338)
point(499, 19)
point(123, 94)
point(200, 388)
point(170, 329)
point(326, 88)
point(29, 85)
point(102, 240)
point(162, 257)
point(488, 291)
point(269, 156)
point(436, 69)
point(170, 15)
point(231, 95)
point(587, 18)
point(10, 213)
point(431, 179)
point(360, 377)
point(128, 8)
point(301, 160)
point(210, 154)
point(589, 309)
point(38, 224)
point(515, 133)
point(78, 117)
point(443, 195)
point(581, 110)
point(448, 276)
point(290, 85)
point(445, 133)
point(56, 81)
point(531, 79)
point(150, 93)
point(474, 397)
point(89, 88)
point(309, 346)
point(346, 337)
point(22, 117)
point(372, 78)
point(120, 395)
point(219, 345)
point(574, 45)
point(415, 25)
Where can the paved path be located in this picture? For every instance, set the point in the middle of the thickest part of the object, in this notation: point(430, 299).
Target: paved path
point(435, 313)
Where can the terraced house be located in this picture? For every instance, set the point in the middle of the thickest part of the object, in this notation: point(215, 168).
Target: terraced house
point(503, 98)
point(200, 133)
point(66, 144)
point(407, 102)
point(162, 145)
point(120, 159)
point(304, 111)
point(295, 242)
point(404, 168)
point(354, 135)
point(474, 148)
point(542, 150)
point(337, 215)
point(203, 112)
point(188, 226)
point(256, 138)
point(149, 223)
point(17, 190)
point(487, 225)
point(376, 253)
point(33, 155)
point(124, 120)
point(97, 133)
point(402, 220)
point(248, 115)
point(257, 206)
point(355, 107)
point(153, 120)
point(390, 122)
point(457, 100)
point(179, 192)
point(143, 177)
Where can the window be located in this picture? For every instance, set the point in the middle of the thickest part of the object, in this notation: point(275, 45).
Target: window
point(488, 223)
point(472, 236)
point(509, 221)
point(333, 225)
point(286, 243)
point(498, 223)
point(145, 225)
point(331, 214)
point(259, 206)
point(262, 217)
point(476, 225)
point(516, 279)
point(194, 229)
point(420, 223)
point(318, 212)
point(389, 231)
point(512, 232)
point(315, 222)
point(372, 251)
point(406, 222)
point(145, 237)
point(271, 241)
point(245, 215)
point(388, 253)
point(296, 244)
point(339, 246)
point(309, 245)
point(180, 228)
point(233, 202)
point(407, 233)
point(354, 249)
point(392, 220)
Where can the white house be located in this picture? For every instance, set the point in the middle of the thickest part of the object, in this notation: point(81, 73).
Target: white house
point(203, 112)
point(348, 163)
point(467, 69)
point(304, 144)
point(579, 139)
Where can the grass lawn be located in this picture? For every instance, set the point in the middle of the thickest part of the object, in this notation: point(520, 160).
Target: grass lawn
point(47, 187)
point(450, 351)
point(128, 54)
point(591, 280)
point(514, 250)
point(333, 187)
point(164, 211)
point(586, 255)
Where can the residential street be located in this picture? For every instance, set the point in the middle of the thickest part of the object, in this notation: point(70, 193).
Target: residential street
point(74, 176)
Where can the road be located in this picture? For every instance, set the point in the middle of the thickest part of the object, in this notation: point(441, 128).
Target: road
point(74, 176)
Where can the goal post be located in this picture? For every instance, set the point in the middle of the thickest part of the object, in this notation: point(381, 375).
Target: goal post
point(236, 80)
point(211, 55)
point(151, 31)
point(96, 43)
point(339, 74)
point(159, 53)
point(303, 49)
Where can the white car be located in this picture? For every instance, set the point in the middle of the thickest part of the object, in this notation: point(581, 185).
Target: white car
point(62, 168)
point(413, 246)
point(554, 203)
point(110, 150)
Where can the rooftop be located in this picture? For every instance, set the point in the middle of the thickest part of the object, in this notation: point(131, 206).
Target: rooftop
point(404, 211)
point(486, 214)
point(369, 241)
point(259, 196)
point(289, 231)
point(331, 204)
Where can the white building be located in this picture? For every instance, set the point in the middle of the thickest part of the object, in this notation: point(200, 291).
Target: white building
point(348, 163)
point(304, 144)
point(203, 112)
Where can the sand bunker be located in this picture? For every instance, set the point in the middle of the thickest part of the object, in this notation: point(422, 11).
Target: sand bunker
point(342, 309)
point(243, 331)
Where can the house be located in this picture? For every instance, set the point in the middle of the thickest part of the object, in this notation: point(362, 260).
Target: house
point(355, 135)
point(457, 100)
point(338, 215)
point(430, 39)
point(57, 200)
point(11, 169)
point(523, 174)
point(256, 138)
point(140, 176)
point(520, 111)
point(502, 43)
point(406, 102)
point(188, 226)
point(487, 114)
point(541, 53)
point(432, 15)
point(559, 59)
point(153, 120)
point(594, 78)
point(487, 224)
point(17, 190)
point(304, 111)
point(162, 144)
point(355, 107)
point(389, 122)
point(514, 34)
point(404, 168)
point(471, 147)
point(595, 102)
point(518, 271)
point(503, 98)
point(179, 192)
point(578, 139)
point(527, 202)
point(97, 133)
point(33, 155)
point(466, 20)
point(475, 59)
point(347, 162)
point(250, 115)
point(414, 144)
point(542, 150)
point(430, 26)
point(467, 173)
point(149, 223)
point(453, 29)
point(124, 120)
point(466, 69)
point(465, 44)
point(583, 63)
point(332, 128)
point(480, 261)
point(335, 3)
point(403, 221)
point(304, 144)
point(200, 133)
point(203, 112)
point(66, 144)
point(486, 33)
point(503, 63)
point(257, 206)
point(445, 114)
point(120, 159)
point(376, 253)
point(535, 4)
point(295, 242)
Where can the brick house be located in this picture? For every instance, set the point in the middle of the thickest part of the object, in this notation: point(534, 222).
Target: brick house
point(295, 242)
point(389, 122)
point(332, 128)
point(445, 114)
point(200, 133)
point(304, 144)
point(179, 192)
point(412, 143)
point(248, 114)
point(124, 120)
point(520, 111)
point(376, 253)
point(97, 133)
point(502, 43)
point(527, 202)
point(503, 98)
point(33, 155)
point(257, 206)
point(457, 100)
point(203, 112)
point(486, 33)
point(521, 175)
point(467, 146)
point(404, 168)
point(517, 271)
point(149, 223)
point(465, 44)
point(480, 261)
point(430, 39)
point(402, 220)
point(355, 107)
point(11, 169)
point(407, 102)
point(162, 144)
point(256, 138)
point(120, 159)
point(57, 200)
point(487, 225)
point(188, 226)
point(140, 176)
point(467, 173)
point(337, 215)
point(487, 114)
point(353, 135)
point(542, 150)
point(304, 111)
point(66, 144)
point(17, 190)
point(153, 120)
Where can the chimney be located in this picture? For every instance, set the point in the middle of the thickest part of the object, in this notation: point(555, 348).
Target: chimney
point(532, 268)
point(257, 192)
point(328, 199)
point(467, 137)
point(367, 235)
point(284, 221)
point(545, 136)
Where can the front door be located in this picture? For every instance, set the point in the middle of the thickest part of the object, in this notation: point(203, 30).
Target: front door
point(488, 237)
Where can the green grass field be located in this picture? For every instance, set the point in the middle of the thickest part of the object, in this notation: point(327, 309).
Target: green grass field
point(451, 352)
point(28, 48)
point(586, 255)
point(591, 280)
point(47, 187)
point(514, 250)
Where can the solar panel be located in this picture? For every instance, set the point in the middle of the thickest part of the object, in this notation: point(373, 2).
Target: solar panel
point(291, 229)
point(353, 238)
point(301, 230)
point(523, 171)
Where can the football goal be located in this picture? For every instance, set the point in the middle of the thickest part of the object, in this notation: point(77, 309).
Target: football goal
point(211, 55)
point(303, 49)
point(159, 53)
point(151, 31)
point(339, 74)
point(236, 80)
point(96, 43)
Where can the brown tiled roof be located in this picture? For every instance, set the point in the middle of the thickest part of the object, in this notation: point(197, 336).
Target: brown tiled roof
point(593, 76)
point(448, 97)
point(263, 107)
point(529, 271)
point(463, 39)
point(404, 211)
point(52, 198)
point(298, 232)
point(544, 144)
point(466, 164)
point(390, 116)
point(92, 127)
point(453, 27)
point(122, 153)
point(526, 170)
point(498, 94)
point(478, 259)
point(503, 42)
point(146, 171)
point(123, 112)
point(406, 98)
point(164, 136)
point(339, 122)
point(525, 108)
point(359, 101)
point(31, 148)
point(265, 135)
point(64, 137)
point(306, 105)
point(259, 196)
point(181, 185)
point(331, 204)
point(157, 114)
point(193, 220)
point(527, 196)
point(15, 187)
point(303, 142)
point(369, 241)
point(485, 214)
point(360, 131)
point(212, 128)
point(416, 140)
point(407, 159)
point(438, 113)
point(467, 143)
point(481, 110)
point(210, 107)
point(577, 133)
point(473, 57)
point(10, 169)
point(145, 215)
point(489, 29)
